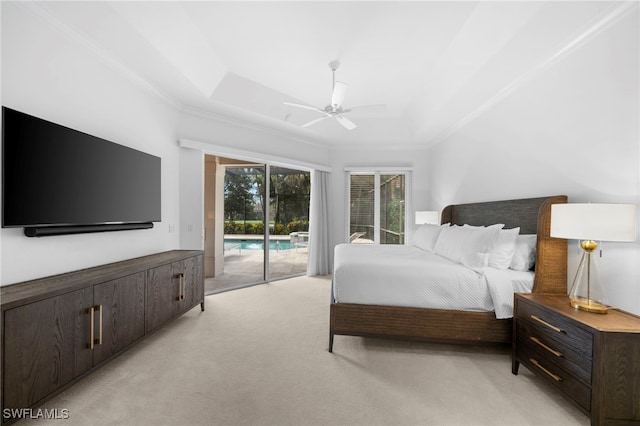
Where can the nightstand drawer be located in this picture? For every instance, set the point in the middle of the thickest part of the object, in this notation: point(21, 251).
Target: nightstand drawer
point(531, 336)
point(568, 384)
point(591, 358)
point(557, 328)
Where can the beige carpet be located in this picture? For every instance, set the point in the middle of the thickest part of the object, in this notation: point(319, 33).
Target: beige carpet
point(258, 356)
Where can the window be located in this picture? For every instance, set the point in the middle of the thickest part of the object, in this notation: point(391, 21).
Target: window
point(377, 206)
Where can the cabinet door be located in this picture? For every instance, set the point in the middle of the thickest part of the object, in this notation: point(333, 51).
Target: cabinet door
point(121, 304)
point(46, 345)
point(163, 294)
point(193, 281)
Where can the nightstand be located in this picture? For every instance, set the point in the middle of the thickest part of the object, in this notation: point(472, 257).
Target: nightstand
point(593, 359)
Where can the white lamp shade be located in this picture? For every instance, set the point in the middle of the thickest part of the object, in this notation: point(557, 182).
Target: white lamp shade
point(427, 217)
point(598, 222)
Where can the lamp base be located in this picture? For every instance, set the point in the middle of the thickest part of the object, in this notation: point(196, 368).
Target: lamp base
point(588, 305)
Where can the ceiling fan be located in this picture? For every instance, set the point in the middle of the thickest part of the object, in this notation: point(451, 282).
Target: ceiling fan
point(336, 109)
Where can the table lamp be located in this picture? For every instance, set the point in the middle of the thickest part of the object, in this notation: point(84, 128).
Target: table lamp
point(431, 217)
point(590, 223)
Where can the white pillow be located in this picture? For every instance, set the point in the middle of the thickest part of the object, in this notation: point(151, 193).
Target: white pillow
point(468, 245)
point(426, 236)
point(504, 247)
point(525, 254)
point(450, 242)
point(475, 253)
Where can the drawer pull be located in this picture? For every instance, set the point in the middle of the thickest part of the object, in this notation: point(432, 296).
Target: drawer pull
point(553, 351)
point(553, 376)
point(551, 326)
point(91, 327)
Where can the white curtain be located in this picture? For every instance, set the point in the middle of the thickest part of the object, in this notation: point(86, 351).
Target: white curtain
point(319, 249)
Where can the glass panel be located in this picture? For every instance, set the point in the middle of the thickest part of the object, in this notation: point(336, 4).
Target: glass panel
point(361, 209)
point(243, 226)
point(288, 222)
point(392, 206)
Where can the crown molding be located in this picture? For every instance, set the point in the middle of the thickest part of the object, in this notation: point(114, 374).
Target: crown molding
point(255, 123)
point(251, 156)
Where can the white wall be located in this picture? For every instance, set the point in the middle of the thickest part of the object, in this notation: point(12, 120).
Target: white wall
point(191, 199)
point(49, 74)
point(572, 129)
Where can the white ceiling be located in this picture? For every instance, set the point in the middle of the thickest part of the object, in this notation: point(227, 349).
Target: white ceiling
point(435, 64)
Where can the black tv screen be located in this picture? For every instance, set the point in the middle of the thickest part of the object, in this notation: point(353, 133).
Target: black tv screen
point(56, 176)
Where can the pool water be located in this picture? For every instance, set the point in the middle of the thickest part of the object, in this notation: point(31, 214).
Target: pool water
point(259, 244)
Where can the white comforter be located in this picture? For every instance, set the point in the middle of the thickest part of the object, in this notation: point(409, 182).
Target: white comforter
point(402, 275)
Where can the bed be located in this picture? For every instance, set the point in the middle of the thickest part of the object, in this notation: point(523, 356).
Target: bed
point(366, 316)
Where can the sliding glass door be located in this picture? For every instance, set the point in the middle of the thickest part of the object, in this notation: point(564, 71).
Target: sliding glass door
point(289, 195)
point(244, 230)
point(266, 224)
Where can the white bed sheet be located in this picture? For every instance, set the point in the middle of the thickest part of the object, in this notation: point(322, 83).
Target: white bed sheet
point(403, 275)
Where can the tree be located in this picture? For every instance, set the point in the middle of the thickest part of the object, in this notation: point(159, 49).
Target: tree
point(238, 197)
point(290, 196)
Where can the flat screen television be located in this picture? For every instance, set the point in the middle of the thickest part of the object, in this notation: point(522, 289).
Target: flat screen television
point(56, 180)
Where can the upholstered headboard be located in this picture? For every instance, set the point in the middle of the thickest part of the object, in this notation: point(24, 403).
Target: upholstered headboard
point(533, 216)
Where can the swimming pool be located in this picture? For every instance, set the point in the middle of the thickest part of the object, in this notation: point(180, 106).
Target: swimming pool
point(259, 244)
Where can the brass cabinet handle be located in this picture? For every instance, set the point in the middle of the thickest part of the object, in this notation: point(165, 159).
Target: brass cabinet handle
point(91, 327)
point(553, 376)
point(99, 341)
point(184, 286)
point(551, 326)
point(179, 277)
point(180, 286)
point(553, 351)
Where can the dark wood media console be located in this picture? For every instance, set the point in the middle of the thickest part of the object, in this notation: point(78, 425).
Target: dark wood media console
point(56, 330)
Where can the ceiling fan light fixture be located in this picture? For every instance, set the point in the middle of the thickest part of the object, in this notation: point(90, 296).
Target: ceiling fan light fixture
point(339, 92)
point(335, 109)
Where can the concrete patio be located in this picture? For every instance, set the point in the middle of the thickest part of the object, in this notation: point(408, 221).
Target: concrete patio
point(243, 267)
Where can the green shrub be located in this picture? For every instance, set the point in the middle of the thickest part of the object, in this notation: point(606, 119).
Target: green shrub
point(255, 228)
point(298, 226)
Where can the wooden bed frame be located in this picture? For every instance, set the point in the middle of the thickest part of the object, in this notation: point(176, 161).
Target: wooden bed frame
point(532, 215)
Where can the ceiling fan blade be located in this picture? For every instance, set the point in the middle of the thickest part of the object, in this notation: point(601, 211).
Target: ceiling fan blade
point(339, 90)
point(348, 124)
point(304, 107)
point(312, 122)
point(368, 109)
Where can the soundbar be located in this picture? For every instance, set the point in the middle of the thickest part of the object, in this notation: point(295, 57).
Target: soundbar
point(46, 231)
